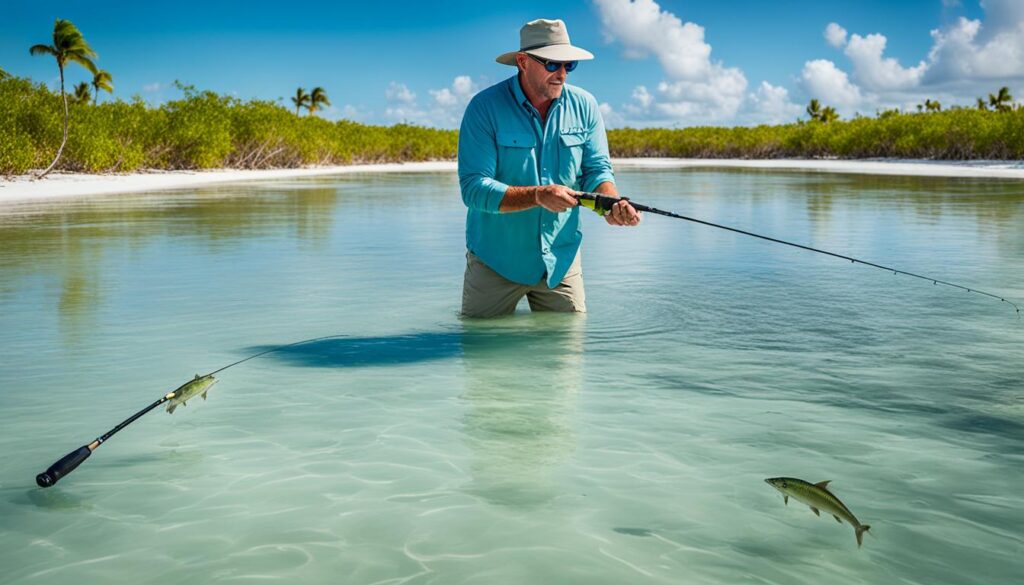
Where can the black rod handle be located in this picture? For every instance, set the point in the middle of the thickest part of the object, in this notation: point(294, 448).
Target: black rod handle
point(66, 465)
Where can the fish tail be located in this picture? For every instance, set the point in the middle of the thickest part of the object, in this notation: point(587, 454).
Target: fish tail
point(861, 529)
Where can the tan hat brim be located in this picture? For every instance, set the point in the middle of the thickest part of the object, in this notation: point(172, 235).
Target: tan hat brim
point(551, 53)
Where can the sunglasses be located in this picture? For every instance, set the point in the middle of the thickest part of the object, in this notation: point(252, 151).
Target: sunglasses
point(552, 66)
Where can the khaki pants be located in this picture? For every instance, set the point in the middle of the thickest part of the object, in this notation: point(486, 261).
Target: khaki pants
point(485, 293)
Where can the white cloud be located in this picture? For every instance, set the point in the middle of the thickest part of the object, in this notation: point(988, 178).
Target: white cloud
point(612, 119)
point(459, 93)
point(444, 110)
point(152, 87)
point(968, 57)
point(877, 73)
point(697, 89)
point(398, 93)
point(644, 29)
point(450, 102)
point(972, 50)
point(771, 105)
point(835, 35)
point(822, 80)
point(642, 97)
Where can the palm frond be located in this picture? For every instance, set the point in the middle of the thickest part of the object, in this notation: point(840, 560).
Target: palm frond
point(42, 50)
point(103, 80)
point(81, 94)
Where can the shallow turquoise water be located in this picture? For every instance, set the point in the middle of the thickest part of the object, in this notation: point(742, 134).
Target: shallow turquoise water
point(626, 446)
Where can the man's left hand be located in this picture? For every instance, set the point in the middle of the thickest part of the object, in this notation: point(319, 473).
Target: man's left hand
point(622, 213)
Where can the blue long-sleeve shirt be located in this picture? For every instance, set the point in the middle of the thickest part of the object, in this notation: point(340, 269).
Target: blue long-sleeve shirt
point(503, 142)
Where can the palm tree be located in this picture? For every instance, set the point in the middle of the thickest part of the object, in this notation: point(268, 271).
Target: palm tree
point(829, 114)
point(81, 94)
point(932, 106)
point(301, 100)
point(814, 109)
point(68, 45)
point(982, 105)
point(318, 97)
point(102, 80)
point(1001, 102)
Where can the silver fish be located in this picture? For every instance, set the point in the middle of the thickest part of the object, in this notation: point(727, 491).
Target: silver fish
point(817, 496)
point(185, 392)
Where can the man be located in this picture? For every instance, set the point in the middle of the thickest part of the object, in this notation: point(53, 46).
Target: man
point(525, 146)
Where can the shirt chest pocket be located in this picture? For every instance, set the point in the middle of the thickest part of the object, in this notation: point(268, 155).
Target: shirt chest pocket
point(570, 152)
point(516, 155)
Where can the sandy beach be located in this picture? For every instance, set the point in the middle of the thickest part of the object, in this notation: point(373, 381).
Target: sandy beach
point(70, 185)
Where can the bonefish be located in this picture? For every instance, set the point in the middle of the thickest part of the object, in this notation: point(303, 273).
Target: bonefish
point(196, 386)
point(817, 496)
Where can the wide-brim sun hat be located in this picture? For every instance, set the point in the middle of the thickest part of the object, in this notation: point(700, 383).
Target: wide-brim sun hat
point(547, 39)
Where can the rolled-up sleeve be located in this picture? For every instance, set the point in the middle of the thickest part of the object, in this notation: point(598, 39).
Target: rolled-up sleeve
point(596, 164)
point(478, 161)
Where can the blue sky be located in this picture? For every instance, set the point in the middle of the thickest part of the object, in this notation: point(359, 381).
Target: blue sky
point(384, 62)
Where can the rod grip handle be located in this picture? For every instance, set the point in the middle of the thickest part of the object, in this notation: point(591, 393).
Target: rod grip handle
point(64, 466)
point(602, 204)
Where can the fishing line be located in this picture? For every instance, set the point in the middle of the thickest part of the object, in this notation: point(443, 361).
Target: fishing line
point(273, 349)
point(195, 387)
point(603, 204)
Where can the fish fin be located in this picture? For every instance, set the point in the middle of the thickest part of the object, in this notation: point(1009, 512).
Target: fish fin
point(823, 484)
point(204, 395)
point(838, 519)
point(785, 499)
point(815, 510)
point(170, 409)
point(860, 533)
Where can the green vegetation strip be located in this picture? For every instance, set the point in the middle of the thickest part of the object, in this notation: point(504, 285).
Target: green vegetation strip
point(202, 130)
point(205, 130)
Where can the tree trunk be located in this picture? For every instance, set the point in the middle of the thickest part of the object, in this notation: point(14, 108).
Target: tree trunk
point(64, 97)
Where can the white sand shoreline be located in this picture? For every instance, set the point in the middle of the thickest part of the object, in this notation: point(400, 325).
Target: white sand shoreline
point(70, 185)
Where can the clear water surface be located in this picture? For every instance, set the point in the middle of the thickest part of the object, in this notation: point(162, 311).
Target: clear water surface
point(626, 446)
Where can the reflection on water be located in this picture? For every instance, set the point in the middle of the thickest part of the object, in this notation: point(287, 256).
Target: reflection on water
point(68, 242)
point(522, 378)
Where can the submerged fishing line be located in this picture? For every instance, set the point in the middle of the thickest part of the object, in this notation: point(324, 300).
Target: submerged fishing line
point(603, 204)
point(198, 386)
point(273, 349)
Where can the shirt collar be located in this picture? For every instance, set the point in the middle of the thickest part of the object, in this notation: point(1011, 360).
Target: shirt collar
point(521, 99)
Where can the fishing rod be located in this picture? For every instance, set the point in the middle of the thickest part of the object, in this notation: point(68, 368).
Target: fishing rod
point(602, 204)
point(198, 386)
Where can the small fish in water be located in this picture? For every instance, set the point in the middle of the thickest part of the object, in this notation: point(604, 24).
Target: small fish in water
point(197, 386)
point(817, 496)
point(634, 531)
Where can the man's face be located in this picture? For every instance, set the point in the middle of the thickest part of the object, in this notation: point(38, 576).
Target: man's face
point(541, 82)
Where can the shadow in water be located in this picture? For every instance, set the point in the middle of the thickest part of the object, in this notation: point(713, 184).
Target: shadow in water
point(634, 531)
point(473, 340)
point(347, 352)
point(52, 499)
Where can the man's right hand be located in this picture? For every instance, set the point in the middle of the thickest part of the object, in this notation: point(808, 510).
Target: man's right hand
point(555, 198)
